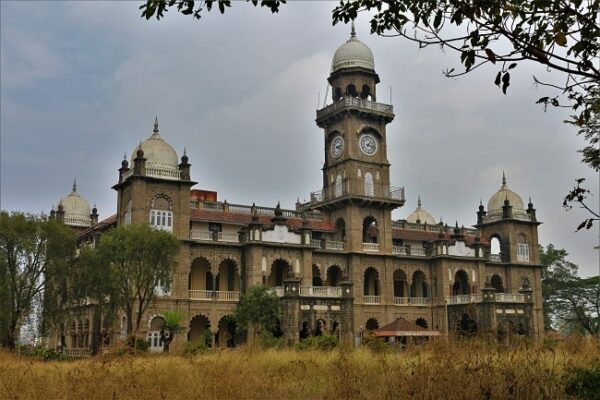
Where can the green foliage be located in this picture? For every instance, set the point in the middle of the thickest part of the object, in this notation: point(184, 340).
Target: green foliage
point(583, 383)
point(323, 343)
point(200, 346)
point(173, 320)
point(258, 308)
point(267, 340)
point(142, 344)
point(570, 301)
point(157, 8)
point(36, 257)
point(139, 261)
point(374, 344)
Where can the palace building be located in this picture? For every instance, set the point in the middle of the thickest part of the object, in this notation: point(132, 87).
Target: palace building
point(339, 262)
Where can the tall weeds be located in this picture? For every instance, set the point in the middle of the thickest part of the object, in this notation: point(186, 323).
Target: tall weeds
point(473, 369)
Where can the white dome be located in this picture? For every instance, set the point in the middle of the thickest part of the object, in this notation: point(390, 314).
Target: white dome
point(421, 215)
point(77, 209)
point(353, 53)
point(161, 158)
point(497, 200)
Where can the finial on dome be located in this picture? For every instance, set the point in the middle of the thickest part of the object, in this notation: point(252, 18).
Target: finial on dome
point(125, 156)
point(156, 124)
point(74, 185)
point(419, 201)
point(503, 178)
point(184, 150)
point(352, 30)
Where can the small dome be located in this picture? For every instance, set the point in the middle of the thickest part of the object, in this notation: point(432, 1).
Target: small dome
point(353, 53)
point(77, 209)
point(161, 158)
point(421, 215)
point(497, 200)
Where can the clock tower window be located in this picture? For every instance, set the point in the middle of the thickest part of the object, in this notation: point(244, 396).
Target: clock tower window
point(161, 214)
point(369, 186)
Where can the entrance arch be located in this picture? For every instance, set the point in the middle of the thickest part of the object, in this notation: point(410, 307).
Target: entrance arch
point(200, 330)
point(280, 271)
point(461, 283)
point(154, 336)
point(226, 334)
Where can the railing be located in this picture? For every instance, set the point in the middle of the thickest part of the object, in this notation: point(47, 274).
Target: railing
point(497, 215)
point(367, 299)
point(228, 237)
point(403, 224)
point(77, 352)
point(197, 234)
point(399, 250)
point(320, 291)
point(417, 251)
point(201, 294)
point(227, 295)
point(80, 220)
point(510, 298)
point(161, 170)
point(375, 191)
point(333, 245)
point(419, 300)
point(464, 299)
point(495, 258)
point(278, 290)
point(401, 301)
point(361, 104)
point(370, 246)
point(244, 209)
point(315, 243)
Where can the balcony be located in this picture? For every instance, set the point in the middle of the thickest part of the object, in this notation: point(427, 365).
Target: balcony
point(329, 245)
point(495, 258)
point(229, 237)
point(497, 215)
point(372, 247)
point(374, 191)
point(77, 352)
point(464, 299)
point(244, 209)
point(278, 291)
point(355, 103)
point(367, 299)
point(399, 250)
point(321, 291)
point(219, 295)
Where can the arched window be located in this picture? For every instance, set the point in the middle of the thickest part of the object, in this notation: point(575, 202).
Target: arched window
point(337, 94)
point(161, 214)
point(366, 92)
point(419, 287)
point(372, 324)
point(422, 322)
point(334, 276)
point(400, 284)
point(370, 230)
point(522, 248)
point(461, 283)
point(337, 189)
point(369, 187)
point(496, 283)
point(371, 282)
point(154, 335)
point(495, 245)
point(316, 276)
point(351, 90)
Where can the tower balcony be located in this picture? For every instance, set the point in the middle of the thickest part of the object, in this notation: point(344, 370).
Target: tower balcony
point(374, 193)
point(356, 105)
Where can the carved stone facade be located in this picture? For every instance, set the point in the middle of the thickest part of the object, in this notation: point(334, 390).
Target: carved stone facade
point(339, 262)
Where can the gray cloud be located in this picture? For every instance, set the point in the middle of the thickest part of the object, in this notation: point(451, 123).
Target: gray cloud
point(240, 91)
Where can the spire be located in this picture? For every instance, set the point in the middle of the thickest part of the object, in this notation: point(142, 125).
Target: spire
point(125, 156)
point(503, 178)
point(352, 31)
point(184, 150)
point(419, 202)
point(74, 185)
point(156, 125)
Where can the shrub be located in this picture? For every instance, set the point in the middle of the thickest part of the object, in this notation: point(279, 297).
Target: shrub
point(267, 340)
point(583, 383)
point(323, 342)
point(141, 344)
point(374, 344)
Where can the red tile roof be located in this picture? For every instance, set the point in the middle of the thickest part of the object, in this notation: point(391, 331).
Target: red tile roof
point(206, 215)
point(112, 220)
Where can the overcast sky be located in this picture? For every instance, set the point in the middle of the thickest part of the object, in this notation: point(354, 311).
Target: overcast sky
point(81, 83)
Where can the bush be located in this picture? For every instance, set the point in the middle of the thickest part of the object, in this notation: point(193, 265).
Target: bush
point(268, 341)
point(323, 342)
point(583, 383)
point(199, 346)
point(141, 344)
point(374, 344)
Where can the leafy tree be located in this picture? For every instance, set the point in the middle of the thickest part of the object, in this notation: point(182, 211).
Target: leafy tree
point(140, 260)
point(35, 253)
point(579, 195)
point(171, 327)
point(562, 35)
point(569, 301)
point(258, 308)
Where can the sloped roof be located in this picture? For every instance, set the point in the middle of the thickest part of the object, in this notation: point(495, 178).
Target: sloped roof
point(403, 327)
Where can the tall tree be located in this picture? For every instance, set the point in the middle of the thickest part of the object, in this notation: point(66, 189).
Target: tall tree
point(141, 263)
point(570, 302)
point(561, 35)
point(258, 309)
point(34, 251)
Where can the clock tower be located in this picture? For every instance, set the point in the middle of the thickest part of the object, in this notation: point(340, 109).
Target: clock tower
point(356, 190)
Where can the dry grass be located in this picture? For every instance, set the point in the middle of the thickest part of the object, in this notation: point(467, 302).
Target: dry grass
point(459, 370)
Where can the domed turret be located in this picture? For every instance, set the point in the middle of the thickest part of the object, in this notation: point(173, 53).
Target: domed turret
point(420, 216)
point(161, 158)
point(353, 54)
point(76, 209)
point(497, 200)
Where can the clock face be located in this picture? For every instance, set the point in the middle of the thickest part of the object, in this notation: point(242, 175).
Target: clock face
point(337, 146)
point(368, 144)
